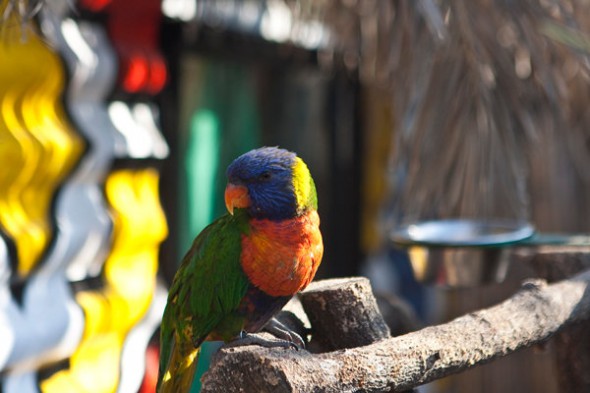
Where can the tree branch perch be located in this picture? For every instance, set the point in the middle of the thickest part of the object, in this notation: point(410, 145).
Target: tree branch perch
point(531, 316)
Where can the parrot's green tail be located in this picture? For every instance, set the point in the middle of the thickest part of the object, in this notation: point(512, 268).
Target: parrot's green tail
point(177, 376)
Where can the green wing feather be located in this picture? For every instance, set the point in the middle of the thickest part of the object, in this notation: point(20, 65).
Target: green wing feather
point(208, 287)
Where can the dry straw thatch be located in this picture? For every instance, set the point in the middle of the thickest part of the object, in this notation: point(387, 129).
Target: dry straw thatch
point(490, 103)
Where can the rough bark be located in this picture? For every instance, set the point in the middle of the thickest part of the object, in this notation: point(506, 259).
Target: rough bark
point(572, 345)
point(343, 314)
point(396, 364)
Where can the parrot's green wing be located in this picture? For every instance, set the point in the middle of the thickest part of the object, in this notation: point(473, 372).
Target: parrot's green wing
point(208, 286)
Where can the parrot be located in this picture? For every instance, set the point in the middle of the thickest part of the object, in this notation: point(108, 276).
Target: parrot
point(245, 266)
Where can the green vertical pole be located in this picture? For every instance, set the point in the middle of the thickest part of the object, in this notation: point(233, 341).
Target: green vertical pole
point(202, 162)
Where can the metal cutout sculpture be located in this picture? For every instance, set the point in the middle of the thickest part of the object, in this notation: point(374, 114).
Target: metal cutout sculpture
point(79, 296)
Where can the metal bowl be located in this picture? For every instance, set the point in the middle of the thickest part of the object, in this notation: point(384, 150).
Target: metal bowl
point(460, 253)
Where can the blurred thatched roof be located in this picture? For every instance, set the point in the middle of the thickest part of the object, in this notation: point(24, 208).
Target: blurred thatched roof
point(490, 100)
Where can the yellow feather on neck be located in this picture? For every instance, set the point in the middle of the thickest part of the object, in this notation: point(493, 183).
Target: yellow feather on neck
point(302, 184)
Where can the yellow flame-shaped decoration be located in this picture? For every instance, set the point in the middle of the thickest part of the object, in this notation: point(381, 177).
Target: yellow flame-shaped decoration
point(130, 280)
point(37, 145)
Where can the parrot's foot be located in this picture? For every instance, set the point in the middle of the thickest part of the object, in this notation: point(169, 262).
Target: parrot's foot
point(254, 339)
point(279, 330)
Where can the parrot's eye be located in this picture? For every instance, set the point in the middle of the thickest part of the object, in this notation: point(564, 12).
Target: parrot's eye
point(265, 176)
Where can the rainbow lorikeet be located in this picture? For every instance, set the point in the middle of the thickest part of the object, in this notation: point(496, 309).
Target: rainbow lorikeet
point(245, 266)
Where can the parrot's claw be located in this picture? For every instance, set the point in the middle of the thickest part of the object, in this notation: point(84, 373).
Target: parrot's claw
point(254, 339)
point(279, 330)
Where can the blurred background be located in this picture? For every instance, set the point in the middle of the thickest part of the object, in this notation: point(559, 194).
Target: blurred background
point(119, 117)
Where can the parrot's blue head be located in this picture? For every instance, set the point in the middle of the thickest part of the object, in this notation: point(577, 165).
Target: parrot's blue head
point(270, 183)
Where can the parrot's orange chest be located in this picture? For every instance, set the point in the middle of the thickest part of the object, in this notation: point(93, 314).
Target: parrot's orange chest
point(282, 257)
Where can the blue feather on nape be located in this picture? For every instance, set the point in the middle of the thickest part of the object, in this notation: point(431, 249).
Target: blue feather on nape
point(267, 173)
point(254, 163)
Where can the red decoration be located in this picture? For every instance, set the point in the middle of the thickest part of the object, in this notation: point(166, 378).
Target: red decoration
point(94, 5)
point(152, 359)
point(135, 72)
point(134, 28)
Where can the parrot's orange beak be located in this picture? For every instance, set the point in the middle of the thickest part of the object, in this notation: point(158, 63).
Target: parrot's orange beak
point(236, 197)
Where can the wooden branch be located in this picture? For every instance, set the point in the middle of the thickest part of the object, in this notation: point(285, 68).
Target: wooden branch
point(572, 345)
point(343, 313)
point(395, 364)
